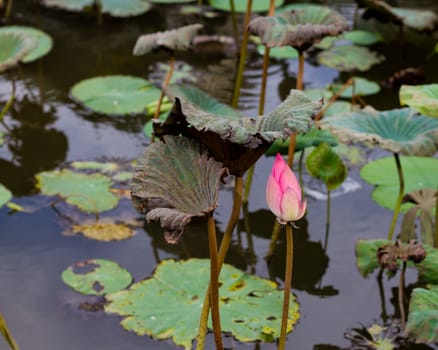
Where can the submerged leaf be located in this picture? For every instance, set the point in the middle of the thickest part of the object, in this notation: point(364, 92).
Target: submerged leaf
point(116, 94)
point(175, 39)
point(422, 98)
point(349, 58)
point(299, 27)
point(250, 306)
point(423, 315)
point(96, 277)
point(398, 130)
point(180, 174)
point(239, 143)
point(323, 163)
point(90, 193)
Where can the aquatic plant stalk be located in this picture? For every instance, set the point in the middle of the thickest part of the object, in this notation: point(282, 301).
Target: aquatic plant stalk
point(234, 21)
point(435, 241)
point(333, 99)
point(8, 9)
point(7, 334)
point(401, 288)
point(327, 222)
point(287, 285)
point(274, 238)
point(399, 198)
point(9, 103)
point(242, 57)
point(223, 249)
point(214, 283)
point(261, 104)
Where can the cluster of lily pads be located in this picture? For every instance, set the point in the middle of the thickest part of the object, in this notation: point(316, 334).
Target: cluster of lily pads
point(202, 141)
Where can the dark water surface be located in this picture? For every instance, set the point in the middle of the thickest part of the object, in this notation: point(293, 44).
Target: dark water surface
point(49, 129)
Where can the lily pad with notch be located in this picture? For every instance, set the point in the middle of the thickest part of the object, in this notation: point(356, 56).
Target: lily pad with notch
point(96, 277)
point(250, 306)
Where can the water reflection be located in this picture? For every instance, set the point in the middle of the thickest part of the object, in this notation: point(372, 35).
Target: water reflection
point(310, 259)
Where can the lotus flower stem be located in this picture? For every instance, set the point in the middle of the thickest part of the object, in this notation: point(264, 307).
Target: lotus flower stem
point(401, 288)
point(242, 57)
point(7, 334)
point(334, 98)
point(214, 283)
point(400, 196)
point(287, 285)
point(223, 249)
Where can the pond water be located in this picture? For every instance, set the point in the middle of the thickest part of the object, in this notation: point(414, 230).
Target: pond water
point(48, 130)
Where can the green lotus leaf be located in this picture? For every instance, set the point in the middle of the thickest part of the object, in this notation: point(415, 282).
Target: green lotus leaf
point(323, 163)
point(301, 27)
point(418, 172)
point(422, 322)
point(349, 58)
point(422, 98)
point(279, 52)
point(417, 19)
point(90, 193)
point(148, 127)
point(240, 6)
point(5, 195)
point(366, 255)
point(428, 268)
point(96, 277)
point(180, 174)
point(115, 8)
point(362, 87)
point(250, 306)
point(338, 107)
point(363, 37)
point(398, 130)
point(115, 94)
point(327, 42)
point(170, 1)
point(44, 42)
point(202, 100)
point(312, 138)
point(175, 39)
point(13, 48)
point(122, 176)
point(239, 143)
point(91, 165)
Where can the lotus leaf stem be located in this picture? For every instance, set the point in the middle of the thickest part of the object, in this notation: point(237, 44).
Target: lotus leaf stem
point(251, 255)
point(98, 4)
point(327, 222)
point(400, 196)
point(9, 103)
point(291, 149)
point(214, 283)
point(234, 20)
point(382, 295)
point(435, 242)
point(334, 98)
point(300, 168)
point(242, 57)
point(300, 73)
point(273, 242)
point(401, 304)
point(7, 334)
point(8, 9)
point(223, 249)
point(287, 285)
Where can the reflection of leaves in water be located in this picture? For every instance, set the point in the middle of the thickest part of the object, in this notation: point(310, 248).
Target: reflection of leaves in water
point(32, 113)
point(309, 257)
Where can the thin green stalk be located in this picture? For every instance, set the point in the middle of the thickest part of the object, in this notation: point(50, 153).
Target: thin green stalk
point(300, 168)
point(242, 58)
point(8, 9)
point(400, 197)
point(287, 285)
point(248, 182)
point(401, 304)
point(251, 257)
point(234, 21)
point(435, 242)
point(382, 295)
point(214, 283)
point(274, 238)
point(9, 102)
point(7, 334)
point(223, 249)
point(327, 222)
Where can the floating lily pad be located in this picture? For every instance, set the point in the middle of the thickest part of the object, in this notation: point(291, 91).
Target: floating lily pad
point(349, 58)
point(419, 172)
point(13, 48)
point(422, 98)
point(175, 39)
point(283, 52)
point(5, 195)
point(422, 322)
point(301, 27)
point(180, 174)
point(96, 277)
point(362, 87)
point(240, 6)
point(338, 107)
point(44, 42)
point(398, 130)
point(91, 165)
point(90, 193)
point(115, 8)
point(417, 19)
point(250, 306)
point(366, 254)
point(363, 37)
point(104, 231)
point(116, 94)
point(323, 163)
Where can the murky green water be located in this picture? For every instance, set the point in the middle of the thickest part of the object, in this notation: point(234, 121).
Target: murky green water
point(48, 129)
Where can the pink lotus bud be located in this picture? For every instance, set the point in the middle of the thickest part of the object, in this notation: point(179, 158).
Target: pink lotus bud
point(283, 193)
